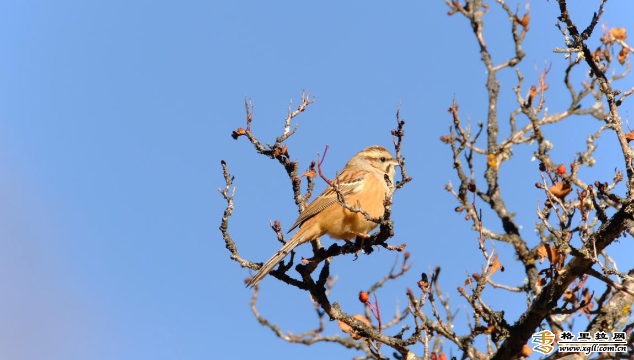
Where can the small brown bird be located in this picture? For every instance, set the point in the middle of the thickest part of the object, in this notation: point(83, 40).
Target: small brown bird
point(363, 180)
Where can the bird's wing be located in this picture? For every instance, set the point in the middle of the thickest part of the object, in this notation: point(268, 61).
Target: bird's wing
point(350, 182)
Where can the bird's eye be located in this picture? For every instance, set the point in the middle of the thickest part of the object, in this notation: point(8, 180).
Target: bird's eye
point(383, 159)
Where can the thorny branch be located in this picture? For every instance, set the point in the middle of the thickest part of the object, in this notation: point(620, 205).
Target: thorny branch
point(579, 219)
point(568, 259)
point(319, 289)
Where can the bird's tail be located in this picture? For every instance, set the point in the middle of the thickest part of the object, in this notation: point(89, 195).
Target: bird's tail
point(277, 258)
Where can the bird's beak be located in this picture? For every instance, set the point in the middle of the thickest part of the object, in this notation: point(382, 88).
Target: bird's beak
point(395, 162)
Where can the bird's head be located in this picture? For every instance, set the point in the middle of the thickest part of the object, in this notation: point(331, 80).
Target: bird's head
point(376, 158)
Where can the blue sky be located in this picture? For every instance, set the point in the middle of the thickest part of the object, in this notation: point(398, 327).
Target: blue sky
point(114, 116)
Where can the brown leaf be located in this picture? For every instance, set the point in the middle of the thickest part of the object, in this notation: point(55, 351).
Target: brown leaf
point(598, 54)
point(235, 134)
point(623, 55)
point(524, 20)
point(587, 301)
point(542, 252)
point(311, 173)
point(588, 308)
point(587, 297)
point(348, 330)
point(553, 254)
point(561, 189)
point(281, 151)
point(570, 297)
point(447, 139)
point(496, 265)
point(618, 33)
point(533, 91)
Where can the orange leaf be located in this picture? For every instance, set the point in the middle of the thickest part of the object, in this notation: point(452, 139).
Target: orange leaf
point(524, 20)
point(237, 133)
point(348, 330)
point(618, 33)
point(542, 252)
point(561, 189)
point(496, 265)
point(533, 91)
point(623, 55)
point(281, 151)
point(570, 297)
point(311, 174)
point(553, 254)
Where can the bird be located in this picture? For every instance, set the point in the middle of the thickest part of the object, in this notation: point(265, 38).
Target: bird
point(362, 181)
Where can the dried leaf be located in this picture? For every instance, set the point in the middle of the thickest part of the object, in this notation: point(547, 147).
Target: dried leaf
point(618, 33)
point(623, 55)
point(587, 301)
point(348, 330)
point(553, 254)
point(447, 139)
point(587, 297)
point(524, 20)
point(281, 151)
point(311, 173)
point(533, 91)
point(570, 297)
point(496, 265)
point(561, 189)
point(542, 252)
point(237, 133)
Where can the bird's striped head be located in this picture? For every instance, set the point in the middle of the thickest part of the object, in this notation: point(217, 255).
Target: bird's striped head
point(375, 158)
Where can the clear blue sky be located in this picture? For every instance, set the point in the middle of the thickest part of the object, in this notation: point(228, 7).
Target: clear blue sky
point(114, 116)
